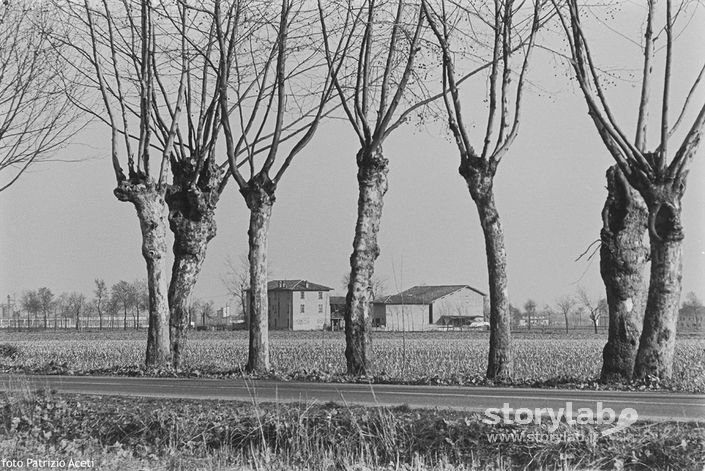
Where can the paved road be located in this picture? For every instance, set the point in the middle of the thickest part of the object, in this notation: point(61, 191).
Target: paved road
point(649, 405)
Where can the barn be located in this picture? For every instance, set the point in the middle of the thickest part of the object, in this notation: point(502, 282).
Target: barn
point(429, 308)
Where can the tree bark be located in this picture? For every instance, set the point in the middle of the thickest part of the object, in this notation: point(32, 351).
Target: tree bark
point(623, 258)
point(658, 338)
point(148, 199)
point(500, 365)
point(192, 221)
point(259, 196)
point(372, 183)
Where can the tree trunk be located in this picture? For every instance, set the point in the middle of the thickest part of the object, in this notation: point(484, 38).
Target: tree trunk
point(372, 183)
point(148, 200)
point(623, 258)
point(259, 196)
point(658, 338)
point(192, 220)
point(500, 364)
point(566, 323)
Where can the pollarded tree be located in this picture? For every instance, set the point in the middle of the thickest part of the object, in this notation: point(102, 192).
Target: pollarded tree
point(372, 66)
point(184, 41)
point(659, 175)
point(280, 88)
point(199, 178)
point(624, 254)
point(123, 41)
point(36, 115)
point(511, 28)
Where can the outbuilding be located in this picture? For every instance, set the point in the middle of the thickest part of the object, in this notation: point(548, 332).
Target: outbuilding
point(429, 308)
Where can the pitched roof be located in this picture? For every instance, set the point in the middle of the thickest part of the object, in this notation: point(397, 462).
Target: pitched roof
point(295, 285)
point(423, 294)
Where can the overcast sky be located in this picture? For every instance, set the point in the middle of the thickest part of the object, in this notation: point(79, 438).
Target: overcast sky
point(61, 226)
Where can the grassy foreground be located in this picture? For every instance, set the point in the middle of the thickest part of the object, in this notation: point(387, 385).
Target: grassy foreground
point(542, 358)
point(109, 433)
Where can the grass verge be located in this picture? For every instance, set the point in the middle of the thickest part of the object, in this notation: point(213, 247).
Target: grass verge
point(163, 434)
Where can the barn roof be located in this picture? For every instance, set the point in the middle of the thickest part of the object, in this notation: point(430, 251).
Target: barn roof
point(295, 285)
point(423, 294)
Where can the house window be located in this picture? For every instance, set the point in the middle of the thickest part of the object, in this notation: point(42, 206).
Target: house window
point(320, 295)
point(320, 308)
point(302, 295)
point(303, 308)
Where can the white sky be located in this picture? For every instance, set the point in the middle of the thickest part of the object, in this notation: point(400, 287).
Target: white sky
point(61, 226)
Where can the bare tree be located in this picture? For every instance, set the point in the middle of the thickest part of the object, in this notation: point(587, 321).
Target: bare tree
point(121, 295)
point(594, 308)
point(62, 306)
point(371, 64)
point(237, 279)
point(512, 32)
point(565, 305)
point(276, 103)
point(46, 297)
point(76, 302)
point(124, 40)
point(530, 311)
point(658, 175)
point(624, 254)
point(199, 178)
point(36, 115)
point(139, 293)
point(101, 298)
point(31, 304)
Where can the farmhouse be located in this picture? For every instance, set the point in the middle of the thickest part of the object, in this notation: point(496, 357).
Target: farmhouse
point(429, 308)
point(297, 305)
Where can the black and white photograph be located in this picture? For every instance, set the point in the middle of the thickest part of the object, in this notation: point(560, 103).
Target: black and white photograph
point(352, 235)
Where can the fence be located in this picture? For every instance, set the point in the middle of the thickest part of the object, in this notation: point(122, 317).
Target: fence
point(109, 322)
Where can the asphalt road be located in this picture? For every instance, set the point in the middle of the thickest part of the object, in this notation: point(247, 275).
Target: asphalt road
point(649, 405)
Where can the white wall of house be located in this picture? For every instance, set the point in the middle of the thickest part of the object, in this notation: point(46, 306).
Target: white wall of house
point(461, 303)
point(311, 310)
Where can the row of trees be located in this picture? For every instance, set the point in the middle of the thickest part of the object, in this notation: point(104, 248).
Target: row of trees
point(44, 309)
point(171, 79)
point(120, 306)
point(569, 311)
